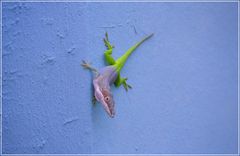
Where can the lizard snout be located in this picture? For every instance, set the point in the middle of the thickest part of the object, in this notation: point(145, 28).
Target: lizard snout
point(109, 108)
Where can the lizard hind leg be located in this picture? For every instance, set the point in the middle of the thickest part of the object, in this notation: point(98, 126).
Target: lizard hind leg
point(122, 81)
point(107, 43)
point(126, 85)
point(108, 53)
point(108, 57)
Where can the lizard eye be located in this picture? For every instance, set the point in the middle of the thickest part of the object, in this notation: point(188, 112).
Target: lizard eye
point(106, 98)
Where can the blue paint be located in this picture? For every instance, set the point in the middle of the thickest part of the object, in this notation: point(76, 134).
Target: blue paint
point(184, 96)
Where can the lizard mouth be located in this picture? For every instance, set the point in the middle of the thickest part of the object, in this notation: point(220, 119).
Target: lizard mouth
point(109, 108)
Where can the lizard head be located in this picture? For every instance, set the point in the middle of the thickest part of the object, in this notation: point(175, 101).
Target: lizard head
point(102, 88)
point(105, 97)
point(108, 102)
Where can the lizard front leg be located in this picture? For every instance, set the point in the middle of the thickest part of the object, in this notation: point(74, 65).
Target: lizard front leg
point(122, 81)
point(89, 67)
point(94, 100)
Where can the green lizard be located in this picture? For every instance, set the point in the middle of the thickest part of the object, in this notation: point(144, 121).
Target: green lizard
point(109, 75)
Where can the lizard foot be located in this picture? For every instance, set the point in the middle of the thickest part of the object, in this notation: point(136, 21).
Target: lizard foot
point(125, 85)
point(94, 100)
point(107, 43)
point(88, 66)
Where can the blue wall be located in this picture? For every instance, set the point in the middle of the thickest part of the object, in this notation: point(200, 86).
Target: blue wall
point(184, 96)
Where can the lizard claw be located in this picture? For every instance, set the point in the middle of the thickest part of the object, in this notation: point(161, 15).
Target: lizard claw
point(106, 34)
point(107, 43)
point(94, 100)
point(88, 66)
point(125, 85)
point(85, 64)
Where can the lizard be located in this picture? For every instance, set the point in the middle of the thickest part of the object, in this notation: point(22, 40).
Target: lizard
point(110, 74)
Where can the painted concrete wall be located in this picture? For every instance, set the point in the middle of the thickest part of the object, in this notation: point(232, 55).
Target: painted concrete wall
point(184, 96)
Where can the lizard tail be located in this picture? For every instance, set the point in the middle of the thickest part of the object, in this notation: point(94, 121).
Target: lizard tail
point(121, 61)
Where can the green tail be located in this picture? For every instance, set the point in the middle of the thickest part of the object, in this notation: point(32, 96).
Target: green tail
point(121, 61)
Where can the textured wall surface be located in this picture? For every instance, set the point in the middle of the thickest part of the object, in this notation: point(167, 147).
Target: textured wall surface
point(184, 96)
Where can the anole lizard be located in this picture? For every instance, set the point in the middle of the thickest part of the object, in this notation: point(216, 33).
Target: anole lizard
point(110, 74)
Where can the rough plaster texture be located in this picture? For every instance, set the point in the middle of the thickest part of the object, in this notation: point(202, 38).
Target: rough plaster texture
point(184, 96)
